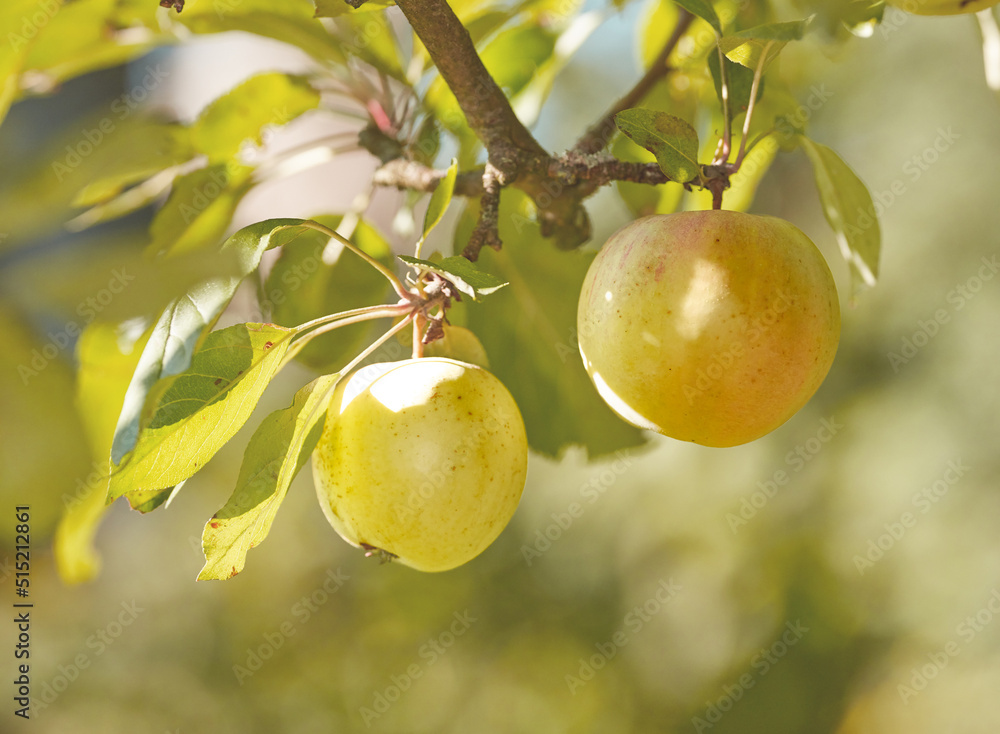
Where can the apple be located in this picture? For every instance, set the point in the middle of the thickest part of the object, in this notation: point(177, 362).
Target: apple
point(942, 7)
point(423, 459)
point(713, 327)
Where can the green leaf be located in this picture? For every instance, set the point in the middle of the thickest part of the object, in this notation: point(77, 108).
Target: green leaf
point(190, 416)
point(199, 210)
point(747, 47)
point(335, 8)
point(850, 211)
point(739, 83)
point(288, 21)
point(21, 32)
point(672, 140)
point(463, 274)
point(262, 101)
point(182, 324)
point(370, 37)
point(440, 199)
point(704, 10)
point(280, 447)
point(529, 332)
point(316, 276)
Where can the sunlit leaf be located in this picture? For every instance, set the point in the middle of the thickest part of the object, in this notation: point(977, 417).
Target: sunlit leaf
point(248, 110)
point(749, 46)
point(440, 199)
point(672, 140)
point(190, 416)
point(463, 274)
point(849, 209)
point(279, 448)
point(183, 323)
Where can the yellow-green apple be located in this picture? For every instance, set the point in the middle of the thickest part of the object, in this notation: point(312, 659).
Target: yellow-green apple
point(423, 459)
point(713, 327)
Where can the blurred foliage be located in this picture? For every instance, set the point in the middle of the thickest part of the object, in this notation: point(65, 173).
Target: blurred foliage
point(840, 575)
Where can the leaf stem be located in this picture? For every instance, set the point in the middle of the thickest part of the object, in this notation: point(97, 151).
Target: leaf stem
point(326, 324)
point(757, 75)
point(725, 145)
point(396, 328)
point(397, 284)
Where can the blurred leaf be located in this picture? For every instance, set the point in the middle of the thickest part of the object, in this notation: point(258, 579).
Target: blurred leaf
point(440, 199)
point(244, 113)
point(654, 28)
point(43, 450)
point(190, 416)
point(334, 8)
point(18, 19)
point(371, 39)
point(279, 448)
point(747, 47)
point(704, 10)
point(529, 332)
point(107, 355)
point(81, 38)
point(850, 211)
point(316, 276)
point(463, 274)
point(288, 21)
point(672, 140)
point(515, 55)
point(181, 326)
point(199, 210)
point(129, 152)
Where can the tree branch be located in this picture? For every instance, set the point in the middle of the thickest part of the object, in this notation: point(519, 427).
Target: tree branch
point(485, 106)
point(406, 174)
point(597, 137)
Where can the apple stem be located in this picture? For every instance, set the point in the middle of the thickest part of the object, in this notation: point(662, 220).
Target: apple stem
point(419, 321)
point(397, 284)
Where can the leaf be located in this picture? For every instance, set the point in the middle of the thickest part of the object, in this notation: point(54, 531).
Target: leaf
point(643, 199)
point(280, 447)
point(529, 332)
point(704, 10)
point(107, 355)
point(199, 210)
point(739, 83)
point(184, 321)
point(747, 47)
point(288, 21)
point(193, 414)
point(440, 199)
point(850, 211)
point(335, 8)
point(21, 31)
point(463, 274)
point(370, 37)
point(244, 113)
point(315, 276)
point(672, 140)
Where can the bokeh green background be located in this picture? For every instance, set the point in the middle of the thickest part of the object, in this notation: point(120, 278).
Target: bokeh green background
point(504, 643)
